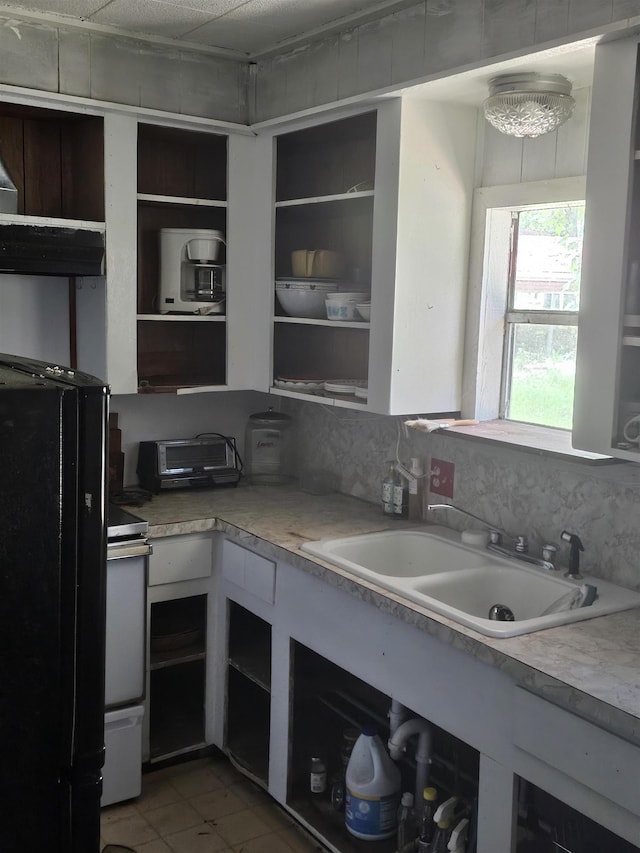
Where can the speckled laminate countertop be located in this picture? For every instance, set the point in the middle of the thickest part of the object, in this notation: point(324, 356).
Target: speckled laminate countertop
point(592, 667)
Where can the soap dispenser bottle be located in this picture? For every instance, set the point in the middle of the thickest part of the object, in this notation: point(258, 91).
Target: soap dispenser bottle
point(388, 485)
point(400, 495)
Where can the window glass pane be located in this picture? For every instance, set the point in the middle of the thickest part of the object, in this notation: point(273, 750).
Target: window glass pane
point(548, 259)
point(542, 374)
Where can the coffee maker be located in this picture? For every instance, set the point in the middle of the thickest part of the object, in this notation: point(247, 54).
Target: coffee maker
point(191, 278)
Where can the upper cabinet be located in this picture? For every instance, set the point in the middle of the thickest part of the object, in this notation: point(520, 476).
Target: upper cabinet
point(55, 159)
point(182, 228)
point(178, 307)
point(607, 390)
point(377, 206)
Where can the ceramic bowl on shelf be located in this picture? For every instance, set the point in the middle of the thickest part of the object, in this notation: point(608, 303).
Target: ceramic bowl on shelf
point(364, 310)
point(341, 309)
point(304, 298)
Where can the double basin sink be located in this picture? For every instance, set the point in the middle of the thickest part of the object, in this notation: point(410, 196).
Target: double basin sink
point(434, 569)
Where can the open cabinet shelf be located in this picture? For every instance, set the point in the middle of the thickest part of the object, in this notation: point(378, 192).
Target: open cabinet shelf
point(56, 161)
point(328, 702)
point(182, 183)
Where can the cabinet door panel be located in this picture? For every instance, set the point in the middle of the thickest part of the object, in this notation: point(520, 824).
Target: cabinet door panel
point(180, 558)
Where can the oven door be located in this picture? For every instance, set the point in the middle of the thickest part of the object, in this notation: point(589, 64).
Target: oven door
point(127, 566)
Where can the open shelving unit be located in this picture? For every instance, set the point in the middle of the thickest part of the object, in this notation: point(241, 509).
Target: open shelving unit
point(324, 199)
point(177, 672)
point(326, 700)
point(182, 183)
point(248, 694)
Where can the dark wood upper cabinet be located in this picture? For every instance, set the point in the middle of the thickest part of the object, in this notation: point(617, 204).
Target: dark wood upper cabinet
point(56, 161)
point(330, 159)
point(181, 163)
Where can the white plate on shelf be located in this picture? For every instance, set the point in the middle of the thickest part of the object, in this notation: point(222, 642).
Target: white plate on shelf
point(344, 386)
point(300, 386)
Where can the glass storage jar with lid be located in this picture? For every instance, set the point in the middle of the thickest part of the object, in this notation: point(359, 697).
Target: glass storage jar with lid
point(267, 448)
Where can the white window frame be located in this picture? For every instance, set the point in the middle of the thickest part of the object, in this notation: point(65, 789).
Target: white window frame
point(489, 280)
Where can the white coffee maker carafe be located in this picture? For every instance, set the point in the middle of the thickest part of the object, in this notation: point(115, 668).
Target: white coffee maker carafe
point(191, 279)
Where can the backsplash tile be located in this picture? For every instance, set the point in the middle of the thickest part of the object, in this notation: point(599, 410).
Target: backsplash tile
point(519, 491)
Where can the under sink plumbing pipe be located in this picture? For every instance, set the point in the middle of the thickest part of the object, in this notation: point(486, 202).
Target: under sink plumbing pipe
point(397, 715)
point(397, 745)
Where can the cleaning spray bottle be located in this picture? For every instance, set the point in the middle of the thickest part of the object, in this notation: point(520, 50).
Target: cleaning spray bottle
point(458, 838)
point(443, 818)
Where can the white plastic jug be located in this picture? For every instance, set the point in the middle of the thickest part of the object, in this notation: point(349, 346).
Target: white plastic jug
point(372, 789)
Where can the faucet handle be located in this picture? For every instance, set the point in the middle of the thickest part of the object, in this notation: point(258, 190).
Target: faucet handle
point(495, 536)
point(549, 552)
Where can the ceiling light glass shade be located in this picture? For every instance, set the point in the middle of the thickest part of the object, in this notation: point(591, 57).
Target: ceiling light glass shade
point(528, 104)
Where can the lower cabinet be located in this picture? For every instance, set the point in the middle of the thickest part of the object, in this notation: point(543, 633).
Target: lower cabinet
point(177, 676)
point(547, 824)
point(302, 665)
point(179, 690)
point(248, 706)
point(329, 708)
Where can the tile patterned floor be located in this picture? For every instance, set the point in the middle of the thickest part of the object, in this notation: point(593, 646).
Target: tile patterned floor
point(203, 806)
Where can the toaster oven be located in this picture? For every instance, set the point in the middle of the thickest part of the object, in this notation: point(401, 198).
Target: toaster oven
point(188, 462)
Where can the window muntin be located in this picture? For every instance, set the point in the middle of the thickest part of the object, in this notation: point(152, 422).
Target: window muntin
point(543, 297)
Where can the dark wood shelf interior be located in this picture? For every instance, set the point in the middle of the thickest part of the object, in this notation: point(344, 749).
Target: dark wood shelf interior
point(180, 354)
point(248, 723)
point(178, 675)
point(328, 159)
point(56, 161)
point(320, 352)
point(250, 645)
point(182, 163)
point(175, 657)
point(176, 705)
point(152, 217)
point(344, 226)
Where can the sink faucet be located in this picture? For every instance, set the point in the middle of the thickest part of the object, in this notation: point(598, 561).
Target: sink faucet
point(520, 551)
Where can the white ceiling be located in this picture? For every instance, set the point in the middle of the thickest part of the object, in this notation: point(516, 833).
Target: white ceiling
point(247, 28)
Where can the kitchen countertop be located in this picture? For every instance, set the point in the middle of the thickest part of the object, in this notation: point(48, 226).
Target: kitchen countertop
point(589, 667)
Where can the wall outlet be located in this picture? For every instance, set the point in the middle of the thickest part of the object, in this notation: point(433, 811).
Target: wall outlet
point(441, 478)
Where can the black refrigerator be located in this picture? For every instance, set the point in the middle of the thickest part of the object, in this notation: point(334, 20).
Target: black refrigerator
point(53, 464)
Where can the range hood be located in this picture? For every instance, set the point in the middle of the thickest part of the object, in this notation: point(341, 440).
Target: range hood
point(51, 250)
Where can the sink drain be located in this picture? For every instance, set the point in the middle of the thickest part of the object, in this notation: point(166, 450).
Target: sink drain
point(501, 613)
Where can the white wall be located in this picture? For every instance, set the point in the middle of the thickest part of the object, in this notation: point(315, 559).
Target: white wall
point(152, 416)
point(428, 40)
point(34, 317)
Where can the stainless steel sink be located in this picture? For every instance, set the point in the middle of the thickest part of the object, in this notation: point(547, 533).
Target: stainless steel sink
point(434, 569)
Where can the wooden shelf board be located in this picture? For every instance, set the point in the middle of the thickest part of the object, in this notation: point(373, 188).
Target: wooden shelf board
point(161, 660)
point(322, 199)
point(51, 222)
point(342, 401)
point(181, 200)
point(343, 324)
point(631, 341)
point(184, 318)
point(248, 669)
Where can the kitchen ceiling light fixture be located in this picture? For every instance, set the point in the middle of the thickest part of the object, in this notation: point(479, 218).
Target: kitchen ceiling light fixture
point(528, 104)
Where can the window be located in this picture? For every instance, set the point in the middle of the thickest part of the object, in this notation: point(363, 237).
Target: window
point(522, 310)
point(541, 320)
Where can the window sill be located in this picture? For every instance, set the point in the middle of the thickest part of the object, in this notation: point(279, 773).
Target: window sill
point(542, 440)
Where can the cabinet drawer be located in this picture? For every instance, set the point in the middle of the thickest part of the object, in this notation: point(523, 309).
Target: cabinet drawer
point(598, 759)
point(180, 558)
point(249, 571)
